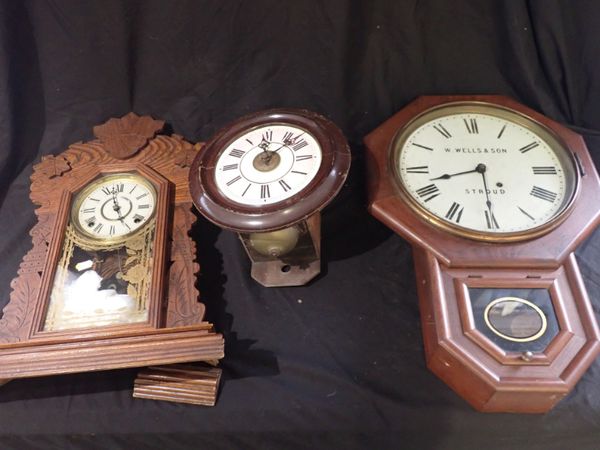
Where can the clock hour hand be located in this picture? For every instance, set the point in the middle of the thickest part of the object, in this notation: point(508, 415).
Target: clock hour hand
point(264, 144)
point(270, 153)
point(447, 176)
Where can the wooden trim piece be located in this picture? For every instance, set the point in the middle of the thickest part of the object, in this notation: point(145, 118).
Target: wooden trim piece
point(550, 282)
point(180, 383)
point(54, 248)
point(156, 291)
point(166, 346)
point(591, 349)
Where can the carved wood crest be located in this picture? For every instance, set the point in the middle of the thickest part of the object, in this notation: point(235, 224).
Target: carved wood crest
point(124, 137)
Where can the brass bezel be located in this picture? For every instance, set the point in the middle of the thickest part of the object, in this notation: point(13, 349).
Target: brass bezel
point(532, 305)
point(81, 195)
point(465, 107)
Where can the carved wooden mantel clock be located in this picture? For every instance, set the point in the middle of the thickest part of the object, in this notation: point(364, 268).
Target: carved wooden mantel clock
point(109, 282)
point(495, 198)
point(267, 176)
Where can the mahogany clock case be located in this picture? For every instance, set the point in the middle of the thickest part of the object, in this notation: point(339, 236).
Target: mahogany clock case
point(501, 375)
point(496, 375)
point(547, 250)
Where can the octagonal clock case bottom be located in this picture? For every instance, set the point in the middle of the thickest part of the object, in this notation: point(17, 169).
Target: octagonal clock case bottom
point(495, 198)
point(267, 176)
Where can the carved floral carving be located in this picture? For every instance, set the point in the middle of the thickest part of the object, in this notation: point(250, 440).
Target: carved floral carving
point(124, 137)
point(53, 166)
point(186, 155)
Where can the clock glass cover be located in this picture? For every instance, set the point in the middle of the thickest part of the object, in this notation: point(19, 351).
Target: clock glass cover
point(105, 267)
point(267, 164)
point(484, 171)
point(114, 206)
point(515, 319)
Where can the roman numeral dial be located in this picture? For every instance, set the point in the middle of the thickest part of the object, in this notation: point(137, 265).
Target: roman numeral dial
point(114, 206)
point(267, 164)
point(455, 212)
point(482, 171)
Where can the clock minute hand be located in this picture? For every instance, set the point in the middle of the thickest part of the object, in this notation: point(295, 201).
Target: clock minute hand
point(116, 205)
point(284, 145)
point(272, 152)
point(289, 142)
point(448, 176)
point(481, 168)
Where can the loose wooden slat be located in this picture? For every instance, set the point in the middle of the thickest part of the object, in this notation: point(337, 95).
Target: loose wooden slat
point(179, 383)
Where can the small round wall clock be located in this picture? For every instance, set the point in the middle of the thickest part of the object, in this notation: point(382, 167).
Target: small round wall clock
point(267, 176)
point(494, 198)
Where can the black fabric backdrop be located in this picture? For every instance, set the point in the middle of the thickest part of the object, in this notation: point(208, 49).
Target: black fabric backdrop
point(338, 363)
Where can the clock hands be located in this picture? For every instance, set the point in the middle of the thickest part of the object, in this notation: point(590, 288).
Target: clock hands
point(287, 142)
point(264, 144)
point(270, 158)
point(117, 207)
point(489, 216)
point(481, 169)
point(291, 141)
point(448, 176)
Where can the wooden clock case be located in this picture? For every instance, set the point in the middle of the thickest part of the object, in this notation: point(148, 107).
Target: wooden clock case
point(175, 331)
point(447, 266)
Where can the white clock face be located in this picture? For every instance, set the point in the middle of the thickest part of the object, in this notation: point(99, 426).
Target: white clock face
point(114, 206)
point(268, 164)
point(485, 172)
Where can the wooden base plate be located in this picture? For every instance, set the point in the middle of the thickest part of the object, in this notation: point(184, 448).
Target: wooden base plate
point(180, 383)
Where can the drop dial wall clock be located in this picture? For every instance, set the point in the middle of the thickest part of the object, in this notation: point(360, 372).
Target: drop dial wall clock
point(495, 199)
point(267, 176)
point(109, 282)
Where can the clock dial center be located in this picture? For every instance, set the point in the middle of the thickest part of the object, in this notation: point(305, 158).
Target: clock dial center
point(266, 161)
point(117, 209)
